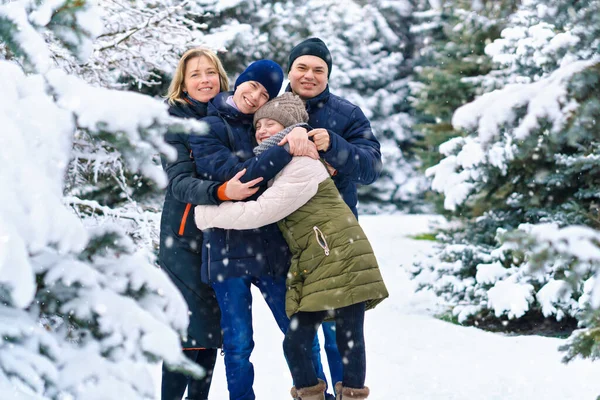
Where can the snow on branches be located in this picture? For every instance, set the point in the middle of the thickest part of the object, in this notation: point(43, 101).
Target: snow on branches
point(504, 122)
point(84, 311)
point(525, 178)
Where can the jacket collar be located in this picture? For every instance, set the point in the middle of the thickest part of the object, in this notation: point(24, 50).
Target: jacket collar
point(316, 102)
point(218, 106)
point(188, 110)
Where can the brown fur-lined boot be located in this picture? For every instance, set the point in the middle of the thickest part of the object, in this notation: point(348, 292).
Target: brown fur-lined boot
point(346, 393)
point(316, 392)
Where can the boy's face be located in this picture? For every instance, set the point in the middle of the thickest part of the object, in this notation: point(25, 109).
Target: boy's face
point(250, 96)
point(267, 127)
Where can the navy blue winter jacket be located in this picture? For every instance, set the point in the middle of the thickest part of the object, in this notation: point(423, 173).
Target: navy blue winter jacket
point(219, 155)
point(354, 151)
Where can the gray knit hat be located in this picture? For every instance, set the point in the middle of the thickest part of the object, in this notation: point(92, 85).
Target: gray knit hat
point(287, 109)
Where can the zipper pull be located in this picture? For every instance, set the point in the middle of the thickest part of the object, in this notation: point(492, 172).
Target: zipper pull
point(321, 240)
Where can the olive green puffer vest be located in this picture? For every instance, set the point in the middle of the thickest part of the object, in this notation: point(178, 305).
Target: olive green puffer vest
point(333, 264)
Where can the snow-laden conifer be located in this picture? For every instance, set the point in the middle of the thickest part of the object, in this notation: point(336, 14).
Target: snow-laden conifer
point(83, 310)
point(528, 172)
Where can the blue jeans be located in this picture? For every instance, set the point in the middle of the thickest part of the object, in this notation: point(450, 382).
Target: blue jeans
point(235, 301)
point(334, 360)
point(349, 337)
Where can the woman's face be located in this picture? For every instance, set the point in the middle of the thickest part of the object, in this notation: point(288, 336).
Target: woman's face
point(250, 96)
point(267, 127)
point(201, 80)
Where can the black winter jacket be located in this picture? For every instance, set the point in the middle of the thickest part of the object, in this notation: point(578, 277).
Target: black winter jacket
point(180, 253)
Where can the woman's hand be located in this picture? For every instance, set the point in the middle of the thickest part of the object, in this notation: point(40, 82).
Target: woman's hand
point(299, 143)
point(236, 190)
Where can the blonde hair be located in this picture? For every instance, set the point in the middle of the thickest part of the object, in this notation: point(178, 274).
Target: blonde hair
point(176, 87)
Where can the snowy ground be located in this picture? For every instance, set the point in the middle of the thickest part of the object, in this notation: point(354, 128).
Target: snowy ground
point(411, 355)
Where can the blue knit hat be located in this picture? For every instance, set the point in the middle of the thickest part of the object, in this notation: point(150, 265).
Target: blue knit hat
point(311, 47)
point(266, 72)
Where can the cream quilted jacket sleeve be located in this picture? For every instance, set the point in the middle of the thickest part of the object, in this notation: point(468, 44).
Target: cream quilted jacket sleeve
point(293, 187)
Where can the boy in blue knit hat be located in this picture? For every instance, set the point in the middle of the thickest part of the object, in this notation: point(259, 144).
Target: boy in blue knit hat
point(233, 261)
point(259, 82)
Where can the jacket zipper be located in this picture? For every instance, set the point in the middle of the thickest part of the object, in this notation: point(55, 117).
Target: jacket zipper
point(321, 240)
point(208, 249)
point(188, 207)
point(227, 241)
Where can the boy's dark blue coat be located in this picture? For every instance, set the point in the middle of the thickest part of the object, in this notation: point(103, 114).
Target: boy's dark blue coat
point(219, 155)
point(180, 252)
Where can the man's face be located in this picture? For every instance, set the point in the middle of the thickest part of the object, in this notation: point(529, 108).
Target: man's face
point(308, 76)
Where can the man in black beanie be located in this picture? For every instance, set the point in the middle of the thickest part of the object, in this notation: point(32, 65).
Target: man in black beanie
point(344, 139)
point(342, 132)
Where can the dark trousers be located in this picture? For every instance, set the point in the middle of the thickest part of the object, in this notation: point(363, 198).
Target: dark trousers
point(336, 366)
point(349, 322)
point(174, 383)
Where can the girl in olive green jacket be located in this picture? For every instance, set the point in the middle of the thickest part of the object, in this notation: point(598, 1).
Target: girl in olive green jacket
point(333, 273)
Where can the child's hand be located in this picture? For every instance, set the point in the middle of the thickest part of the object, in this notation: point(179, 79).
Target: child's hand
point(236, 190)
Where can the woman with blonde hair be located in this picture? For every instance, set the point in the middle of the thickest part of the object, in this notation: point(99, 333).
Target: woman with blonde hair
point(198, 78)
point(193, 62)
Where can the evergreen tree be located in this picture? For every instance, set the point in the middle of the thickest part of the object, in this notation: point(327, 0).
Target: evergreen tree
point(450, 65)
point(528, 170)
point(83, 310)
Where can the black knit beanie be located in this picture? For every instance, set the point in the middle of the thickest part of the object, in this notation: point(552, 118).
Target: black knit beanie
point(311, 47)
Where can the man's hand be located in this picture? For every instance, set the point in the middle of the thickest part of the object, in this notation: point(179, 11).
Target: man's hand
point(236, 190)
point(299, 143)
point(321, 138)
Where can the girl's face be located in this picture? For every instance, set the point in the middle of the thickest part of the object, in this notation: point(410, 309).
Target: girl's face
point(267, 127)
point(250, 96)
point(201, 80)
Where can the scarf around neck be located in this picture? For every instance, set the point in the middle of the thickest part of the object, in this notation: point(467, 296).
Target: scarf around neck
point(276, 138)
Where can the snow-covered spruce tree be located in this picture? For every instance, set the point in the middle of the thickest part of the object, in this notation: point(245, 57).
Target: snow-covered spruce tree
point(138, 46)
point(82, 312)
point(529, 172)
point(544, 36)
point(450, 65)
point(368, 41)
